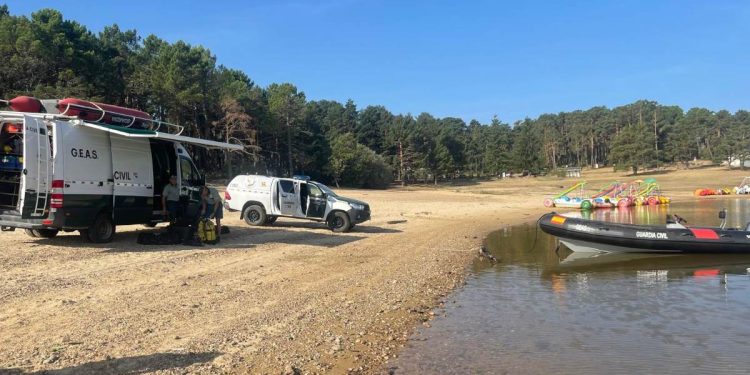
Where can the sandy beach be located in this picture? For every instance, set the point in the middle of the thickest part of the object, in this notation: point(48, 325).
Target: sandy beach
point(289, 298)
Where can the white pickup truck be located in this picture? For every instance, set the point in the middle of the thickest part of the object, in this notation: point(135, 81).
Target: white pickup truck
point(262, 199)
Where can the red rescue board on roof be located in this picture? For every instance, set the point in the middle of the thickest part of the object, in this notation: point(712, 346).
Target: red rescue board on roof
point(704, 234)
point(99, 112)
point(85, 110)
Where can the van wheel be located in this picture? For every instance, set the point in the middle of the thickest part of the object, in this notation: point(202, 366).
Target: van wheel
point(271, 219)
point(46, 233)
point(254, 215)
point(31, 233)
point(101, 231)
point(339, 222)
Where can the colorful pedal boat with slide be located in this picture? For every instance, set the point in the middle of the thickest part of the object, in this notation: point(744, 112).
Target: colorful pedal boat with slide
point(636, 193)
point(610, 196)
point(639, 193)
point(565, 200)
point(647, 193)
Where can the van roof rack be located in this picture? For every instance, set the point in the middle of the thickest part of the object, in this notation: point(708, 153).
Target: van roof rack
point(125, 131)
point(15, 116)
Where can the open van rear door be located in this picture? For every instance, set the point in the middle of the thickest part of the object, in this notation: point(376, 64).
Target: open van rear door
point(37, 168)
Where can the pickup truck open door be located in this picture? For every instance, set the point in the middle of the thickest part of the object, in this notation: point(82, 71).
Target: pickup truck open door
point(288, 197)
point(316, 201)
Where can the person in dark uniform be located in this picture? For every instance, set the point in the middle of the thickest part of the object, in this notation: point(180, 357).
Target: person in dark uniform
point(170, 199)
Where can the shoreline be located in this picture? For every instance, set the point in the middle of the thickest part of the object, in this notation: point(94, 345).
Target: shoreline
point(289, 298)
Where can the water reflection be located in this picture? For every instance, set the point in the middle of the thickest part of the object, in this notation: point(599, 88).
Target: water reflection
point(672, 266)
point(637, 215)
point(545, 311)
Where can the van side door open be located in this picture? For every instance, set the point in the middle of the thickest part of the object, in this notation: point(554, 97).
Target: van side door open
point(37, 169)
point(164, 161)
point(189, 183)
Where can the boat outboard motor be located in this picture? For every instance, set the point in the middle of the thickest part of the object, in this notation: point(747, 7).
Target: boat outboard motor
point(723, 218)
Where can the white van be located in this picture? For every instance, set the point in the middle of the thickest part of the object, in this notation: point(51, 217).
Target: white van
point(262, 199)
point(62, 173)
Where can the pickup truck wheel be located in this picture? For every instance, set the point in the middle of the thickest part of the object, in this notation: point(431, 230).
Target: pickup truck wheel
point(339, 222)
point(46, 233)
point(254, 215)
point(101, 231)
point(31, 233)
point(271, 219)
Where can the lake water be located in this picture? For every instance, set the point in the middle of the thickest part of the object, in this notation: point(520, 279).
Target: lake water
point(542, 311)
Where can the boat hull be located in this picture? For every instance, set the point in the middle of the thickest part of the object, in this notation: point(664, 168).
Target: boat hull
point(594, 247)
point(587, 236)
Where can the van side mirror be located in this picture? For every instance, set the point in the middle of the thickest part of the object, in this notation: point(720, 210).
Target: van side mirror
point(201, 180)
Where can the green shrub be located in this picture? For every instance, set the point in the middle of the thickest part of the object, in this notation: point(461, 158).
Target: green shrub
point(355, 165)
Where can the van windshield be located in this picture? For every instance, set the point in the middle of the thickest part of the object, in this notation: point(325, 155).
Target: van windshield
point(326, 189)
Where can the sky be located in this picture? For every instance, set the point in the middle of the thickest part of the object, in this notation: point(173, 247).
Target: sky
point(467, 59)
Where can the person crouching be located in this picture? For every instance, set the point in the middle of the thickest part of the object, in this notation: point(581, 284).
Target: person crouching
point(211, 207)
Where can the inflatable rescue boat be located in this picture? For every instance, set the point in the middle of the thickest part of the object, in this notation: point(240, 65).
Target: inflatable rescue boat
point(583, 235)
point(83, 109)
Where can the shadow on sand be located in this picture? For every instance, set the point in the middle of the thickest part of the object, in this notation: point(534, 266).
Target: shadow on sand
point(655, 172)
point(128, 365)
point(321, 228)
point(240, 237)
